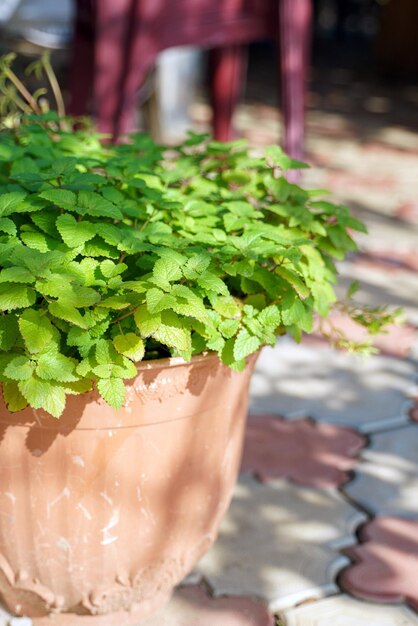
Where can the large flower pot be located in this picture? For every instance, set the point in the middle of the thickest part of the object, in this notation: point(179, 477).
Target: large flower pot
point(102, 512)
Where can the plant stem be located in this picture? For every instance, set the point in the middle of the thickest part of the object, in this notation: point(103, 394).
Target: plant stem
point(22, 89)
point(54, 85)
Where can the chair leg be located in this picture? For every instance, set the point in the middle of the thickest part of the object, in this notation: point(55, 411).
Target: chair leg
point(295, 44)
point(82, 63)
point(226, 66)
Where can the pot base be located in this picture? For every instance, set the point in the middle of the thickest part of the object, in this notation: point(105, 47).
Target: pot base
point(119, 618)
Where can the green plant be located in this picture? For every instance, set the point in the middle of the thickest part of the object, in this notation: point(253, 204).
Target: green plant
point(112, 254)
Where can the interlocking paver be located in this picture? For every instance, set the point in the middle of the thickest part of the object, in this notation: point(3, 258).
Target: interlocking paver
point(386, 481)
point(279, 542)
point(345, 611)
point(192, 606)
point(300, 380)
point(386, 563)
point(317, 455)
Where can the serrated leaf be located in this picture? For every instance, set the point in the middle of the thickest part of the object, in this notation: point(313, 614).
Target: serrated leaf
point(270, 316)
point(12, 397)
point(109, 269)
point(171, 332)
point(166, 271)
point(295, 280)
point(92, 203)
point(74, 233)
point(11, 201)
point(15, 297)
point(211, 282)
point(227, 307)
point(130, 345)
point(245, 344)
point(19, 368)
point(292, 311)
point(37, 331)
point(112, 391)
point(7, 226)
point(54, 366)
point(146, 322)
point(228, 356)
point(228, 328)
point(42, 394)
point(9, 331)
point(157, 300)
point(62, 198)
point(117, 303)
point(16, 275)
point(67, 312)
point(282, 160)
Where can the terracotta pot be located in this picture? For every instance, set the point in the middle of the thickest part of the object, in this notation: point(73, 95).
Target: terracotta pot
point(102, 512)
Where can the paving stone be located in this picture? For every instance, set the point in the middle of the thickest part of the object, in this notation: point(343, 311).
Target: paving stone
point(192, 606)
point(386, 563)
point(279, 542)
point(317, 455)
point(389, 260)
point(386, 481)
point(299, 380)
point(345, 611)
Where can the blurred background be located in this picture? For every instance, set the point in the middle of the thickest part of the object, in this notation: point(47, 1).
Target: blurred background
point(334, 81)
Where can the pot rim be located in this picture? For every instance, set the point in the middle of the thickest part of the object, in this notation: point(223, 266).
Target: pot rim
point(172, 361)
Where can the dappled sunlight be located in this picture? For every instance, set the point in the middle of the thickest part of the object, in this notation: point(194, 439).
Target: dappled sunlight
point(297, 380)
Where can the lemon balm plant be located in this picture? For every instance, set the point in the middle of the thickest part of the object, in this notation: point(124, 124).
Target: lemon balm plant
point(113, 254)
point(111, 259)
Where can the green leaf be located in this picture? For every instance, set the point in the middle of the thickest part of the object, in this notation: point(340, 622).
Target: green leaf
point(16, 275)
point(157, 300)
point(196, 265)
point(12, 397)
point(19, 368)
point(37, 331)
point(74, 233)
point(92, 203)
point(295, 280)
point(7, 226)
point(228, 356)
point(67, 312)
point(146, 322)
point(227, 306)
point(9, 202)
point(9, 331)
point(211, 282)
point(166, 271)
point(245, 344)
point(112, 391)
point(60, 197)
point(270, 317)
point(42, 394)
point(282, 160)
point(130, 345)
point(15, 296)
point(228, 328)
point(55, 366)
point(172, 333)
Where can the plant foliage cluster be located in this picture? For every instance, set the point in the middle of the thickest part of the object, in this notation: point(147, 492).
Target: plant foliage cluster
point(114, 254)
